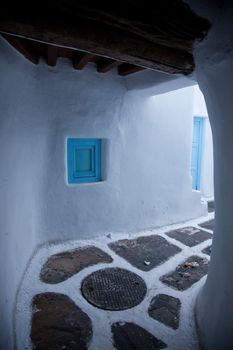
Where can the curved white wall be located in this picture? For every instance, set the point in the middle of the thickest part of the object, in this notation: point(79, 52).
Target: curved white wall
point(214, 67)
point(215, 305)
point(147, 175)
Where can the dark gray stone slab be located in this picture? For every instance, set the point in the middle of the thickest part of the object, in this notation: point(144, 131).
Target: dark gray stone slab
point(60, 267)
point(211, 206)
point(145, 253)
point(189, 236)
point(166, 309)
point(187, 273)
point(58, 323)
point(113, 289)
point(129, 336)
point(209, 225)
point(207, 250)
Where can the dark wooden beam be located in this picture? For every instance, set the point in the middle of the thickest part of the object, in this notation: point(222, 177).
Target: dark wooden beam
point(105, 64)
point(23, 46)
point(159, 35)
point(81, 59)
point(51, 55)
point(126, 69)
point(165, 22)
point(105, 42)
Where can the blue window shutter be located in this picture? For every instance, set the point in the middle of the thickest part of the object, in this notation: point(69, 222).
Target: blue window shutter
point(83, 160)
point(197, 144)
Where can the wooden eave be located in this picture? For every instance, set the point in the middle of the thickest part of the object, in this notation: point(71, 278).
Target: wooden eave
point(128, 35)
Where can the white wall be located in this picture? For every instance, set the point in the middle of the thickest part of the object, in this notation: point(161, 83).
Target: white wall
point(155, 82)
point(22, 163)
point(207, 171)
point(199, 105)
point(148, 180)
point(158, 138)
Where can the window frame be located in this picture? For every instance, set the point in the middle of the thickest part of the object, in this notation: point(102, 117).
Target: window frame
point(93, 175)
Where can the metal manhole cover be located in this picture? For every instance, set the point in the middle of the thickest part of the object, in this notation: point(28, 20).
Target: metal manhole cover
point(113, 289)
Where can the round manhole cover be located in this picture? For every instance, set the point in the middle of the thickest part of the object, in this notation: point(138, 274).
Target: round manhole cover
point(113, 289)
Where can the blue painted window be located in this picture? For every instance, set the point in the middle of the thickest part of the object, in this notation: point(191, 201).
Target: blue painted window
point(83, 160)
point(197, 152)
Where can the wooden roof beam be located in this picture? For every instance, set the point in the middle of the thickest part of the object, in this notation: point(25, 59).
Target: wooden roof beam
point(159, 36)
point(126, 69)
point(51, 55)
point(23, 46)
point(87, 36)
point(106, 64)
point(81, 59)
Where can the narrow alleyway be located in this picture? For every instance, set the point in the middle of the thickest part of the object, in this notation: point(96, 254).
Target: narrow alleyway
point(134, 291)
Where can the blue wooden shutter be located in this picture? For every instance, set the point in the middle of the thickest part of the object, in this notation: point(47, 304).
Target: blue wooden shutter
point(83, 158)
point(197, 152)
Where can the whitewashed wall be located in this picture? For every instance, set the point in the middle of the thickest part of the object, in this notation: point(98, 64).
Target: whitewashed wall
point(207, 171)
point(147, 176)
point(214, 70)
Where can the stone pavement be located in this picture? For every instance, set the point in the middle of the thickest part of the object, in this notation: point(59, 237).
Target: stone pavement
point(134, 291)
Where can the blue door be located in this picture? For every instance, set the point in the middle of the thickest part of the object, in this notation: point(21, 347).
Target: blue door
point(196, 152)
